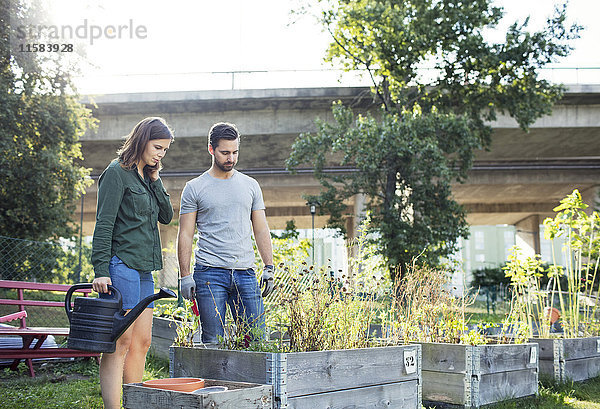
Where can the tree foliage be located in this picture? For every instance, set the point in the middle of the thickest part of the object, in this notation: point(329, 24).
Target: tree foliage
point(40, 125)
point(438, 81)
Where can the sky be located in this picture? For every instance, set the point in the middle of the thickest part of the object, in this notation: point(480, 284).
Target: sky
point(195, 44)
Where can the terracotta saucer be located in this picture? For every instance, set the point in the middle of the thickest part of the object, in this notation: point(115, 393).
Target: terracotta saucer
point(176, 384)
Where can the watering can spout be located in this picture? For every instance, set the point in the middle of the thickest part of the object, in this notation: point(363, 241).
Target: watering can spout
point(123, 320)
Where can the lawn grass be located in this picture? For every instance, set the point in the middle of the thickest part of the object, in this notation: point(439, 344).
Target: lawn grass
point(59, 385)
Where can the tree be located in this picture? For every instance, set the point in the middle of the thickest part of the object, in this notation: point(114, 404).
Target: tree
point(438, 80)
point(40, 125)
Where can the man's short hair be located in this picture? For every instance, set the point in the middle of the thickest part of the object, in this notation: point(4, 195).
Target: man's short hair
point(222, 130)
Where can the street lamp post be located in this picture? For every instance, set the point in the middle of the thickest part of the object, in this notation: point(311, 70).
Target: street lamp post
point(313, 211)
point(78, 272)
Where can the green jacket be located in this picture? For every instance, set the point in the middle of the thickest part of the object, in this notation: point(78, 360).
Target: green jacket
point(129, 208)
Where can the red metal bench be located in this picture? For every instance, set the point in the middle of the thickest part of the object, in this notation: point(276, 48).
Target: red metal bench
point(30, 349)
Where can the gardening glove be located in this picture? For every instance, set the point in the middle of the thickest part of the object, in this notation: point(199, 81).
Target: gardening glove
point(268, 280)
point(187, 286)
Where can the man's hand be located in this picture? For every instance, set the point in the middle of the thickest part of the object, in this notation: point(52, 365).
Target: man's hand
point(267, 280)
point(187, 286)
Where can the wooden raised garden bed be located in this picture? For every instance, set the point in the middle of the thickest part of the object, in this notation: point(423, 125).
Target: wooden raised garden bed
point(574, 359)
point(383, 377)
point(164, 331)
point(476, 375)
point(238, 396)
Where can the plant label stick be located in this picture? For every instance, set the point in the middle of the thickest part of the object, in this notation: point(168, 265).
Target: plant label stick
point(533, 355)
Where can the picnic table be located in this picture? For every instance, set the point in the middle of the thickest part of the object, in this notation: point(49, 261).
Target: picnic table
point(34, 337)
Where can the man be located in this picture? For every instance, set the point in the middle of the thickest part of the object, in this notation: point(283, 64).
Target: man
point(225, 206)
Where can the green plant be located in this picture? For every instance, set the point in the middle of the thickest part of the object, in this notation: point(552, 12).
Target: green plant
point(370, 273)
point(532, 301)
point(407, 156)
point(42, 121)
point(186, 321)
point(528, 300)
point(187, 325)
point(328, 314)
point(322, 309)
point(425, 310)
point(170, 309)
point(242, 335)
point(578, 303)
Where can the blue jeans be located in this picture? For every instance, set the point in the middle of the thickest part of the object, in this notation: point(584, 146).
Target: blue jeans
point(218, 287)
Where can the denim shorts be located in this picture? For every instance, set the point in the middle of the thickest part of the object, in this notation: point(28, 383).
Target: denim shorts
point(133, 285)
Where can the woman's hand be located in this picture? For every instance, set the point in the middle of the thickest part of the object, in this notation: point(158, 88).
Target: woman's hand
point(100, 284)
point(153, 172)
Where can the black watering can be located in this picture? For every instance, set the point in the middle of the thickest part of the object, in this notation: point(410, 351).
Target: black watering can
point(96, 323)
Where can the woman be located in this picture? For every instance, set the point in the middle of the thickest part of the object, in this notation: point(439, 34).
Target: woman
point(126, 246)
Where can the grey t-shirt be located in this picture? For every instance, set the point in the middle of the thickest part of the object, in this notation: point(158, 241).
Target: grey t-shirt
point(223, 221)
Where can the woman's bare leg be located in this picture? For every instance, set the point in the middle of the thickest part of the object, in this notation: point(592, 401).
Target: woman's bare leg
point(111, 372)
point(135, 360)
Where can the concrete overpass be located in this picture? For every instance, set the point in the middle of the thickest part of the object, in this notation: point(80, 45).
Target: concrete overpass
point(518, 182)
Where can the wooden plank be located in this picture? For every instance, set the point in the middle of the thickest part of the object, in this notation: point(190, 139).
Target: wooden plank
point(324, 371)
point(32, 331)
point(573, 348)
point(444, 387)
point(13, 316)
point(501, 358)
point(546, 367)
point(239, 395)
point(160, 346)
point(164, 332)
point(399, 395)
point(497, 387)
point(546, 350)
point(30, 353)
point(581, 369)
point(244, 366)
point(27, 285)
point(578, 348)
point(444, 357)
point(164, 325)
point(37, 303)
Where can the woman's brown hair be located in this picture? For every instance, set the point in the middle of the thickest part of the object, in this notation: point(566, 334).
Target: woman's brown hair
point(146, 130)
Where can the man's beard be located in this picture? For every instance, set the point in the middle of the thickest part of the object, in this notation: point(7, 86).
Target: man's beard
point(224, 167)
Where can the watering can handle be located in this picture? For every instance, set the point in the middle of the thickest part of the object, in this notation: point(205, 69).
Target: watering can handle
point(82, 286)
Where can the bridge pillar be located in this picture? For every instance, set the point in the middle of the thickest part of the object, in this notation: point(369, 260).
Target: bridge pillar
point(591, 197)
point(528, 235)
